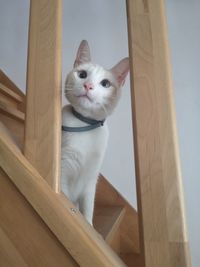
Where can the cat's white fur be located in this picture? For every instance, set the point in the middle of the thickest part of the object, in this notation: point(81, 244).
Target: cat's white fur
point(83, 152)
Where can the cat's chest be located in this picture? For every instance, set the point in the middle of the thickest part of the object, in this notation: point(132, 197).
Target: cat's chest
point(86, 142)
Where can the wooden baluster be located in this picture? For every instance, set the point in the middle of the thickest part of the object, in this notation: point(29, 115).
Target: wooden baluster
point(43, 111)
point(159, 185)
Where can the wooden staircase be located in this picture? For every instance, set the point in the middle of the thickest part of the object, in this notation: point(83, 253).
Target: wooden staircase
point(114, 219)
point(39, 226)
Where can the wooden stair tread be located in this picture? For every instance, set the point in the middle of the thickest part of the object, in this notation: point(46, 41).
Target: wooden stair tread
point(12, 108)
point(9, 84)
point(107, 219)
point(9, 93)
point(11, 111)
point(127, 240)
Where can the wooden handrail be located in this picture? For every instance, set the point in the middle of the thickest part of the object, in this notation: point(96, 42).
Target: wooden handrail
point(76, 235)
point(159, 186)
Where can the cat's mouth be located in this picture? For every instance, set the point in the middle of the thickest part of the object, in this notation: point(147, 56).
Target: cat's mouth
point(85, 96)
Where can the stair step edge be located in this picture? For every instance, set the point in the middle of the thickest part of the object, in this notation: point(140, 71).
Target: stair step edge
point(107, 220)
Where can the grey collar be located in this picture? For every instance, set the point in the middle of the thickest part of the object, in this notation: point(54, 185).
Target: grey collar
point(93, 124)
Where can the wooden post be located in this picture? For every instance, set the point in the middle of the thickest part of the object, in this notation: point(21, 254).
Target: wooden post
point(43, 111)
point(159, 186)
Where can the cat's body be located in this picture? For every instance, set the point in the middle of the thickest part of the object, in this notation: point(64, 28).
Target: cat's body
point(93, 92)
point(82, 156)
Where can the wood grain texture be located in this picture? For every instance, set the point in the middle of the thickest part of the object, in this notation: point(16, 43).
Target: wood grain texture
point(16, 129)
point(8, 101)
point(107, 195)
point(132, 259)
point(11, 86)
point(43, 113)
point(10, 98)
point(159, 185)
point(10, 111)
point(107, 220)
point(25, 240)
point(9, 255)
point(67, 224)
point(15, 103)
point(10, 94)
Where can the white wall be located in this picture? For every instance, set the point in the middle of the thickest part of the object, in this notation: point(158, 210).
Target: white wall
point(13, 39)
point(184, 34)
point(104, 25)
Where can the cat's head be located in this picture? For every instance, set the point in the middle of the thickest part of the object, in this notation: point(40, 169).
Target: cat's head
point(92, 90)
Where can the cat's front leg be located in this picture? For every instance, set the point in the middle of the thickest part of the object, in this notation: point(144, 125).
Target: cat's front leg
point(86, 201)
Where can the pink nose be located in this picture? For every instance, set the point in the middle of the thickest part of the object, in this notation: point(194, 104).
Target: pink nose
point(88, 86)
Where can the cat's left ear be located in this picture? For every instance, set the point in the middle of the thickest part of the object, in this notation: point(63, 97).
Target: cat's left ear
point(121, 70)
point(83, 54)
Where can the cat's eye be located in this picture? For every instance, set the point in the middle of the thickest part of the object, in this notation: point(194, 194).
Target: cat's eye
point(105, 83)
point(82, 74)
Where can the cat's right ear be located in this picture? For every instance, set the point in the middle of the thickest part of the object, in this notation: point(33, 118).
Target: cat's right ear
point(121, 70)
point(83, 54)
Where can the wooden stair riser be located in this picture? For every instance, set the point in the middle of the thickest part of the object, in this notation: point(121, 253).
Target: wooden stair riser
point(107, 195)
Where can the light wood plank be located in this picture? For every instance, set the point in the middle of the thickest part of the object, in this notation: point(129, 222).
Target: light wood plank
point(16, 128)
point(8, 101)
point(132, 259)
point(69, 226)
point(9, 84)
point(9, 256)
point(10, 94)
point(115, 243)
point(159, 185)
point(107, 220)
point(43, 113)
point(107, 195)
point(25, 240)
point(10, 111)
point(12, 119)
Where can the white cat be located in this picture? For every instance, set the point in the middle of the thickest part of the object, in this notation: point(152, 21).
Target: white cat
point(93, 93)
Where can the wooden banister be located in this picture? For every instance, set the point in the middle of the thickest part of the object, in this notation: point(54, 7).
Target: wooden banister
point(43, 112)
point(159, 186)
